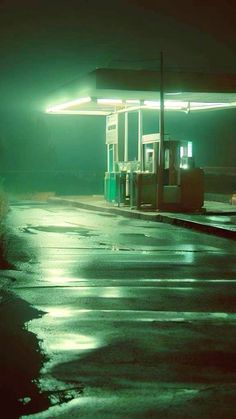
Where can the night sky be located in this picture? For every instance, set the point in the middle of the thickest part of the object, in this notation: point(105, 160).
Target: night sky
point(45, 44)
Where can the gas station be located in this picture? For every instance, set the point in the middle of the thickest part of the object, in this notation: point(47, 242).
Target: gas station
point(163, 175)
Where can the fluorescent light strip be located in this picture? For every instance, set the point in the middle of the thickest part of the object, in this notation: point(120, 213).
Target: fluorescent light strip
point(66, 105)
point(132, 101)
point(191, 106)
point(176, 104)
point(148, 104)
point(70, 112)
point(209, 103)
point(109, 101)
point(169, 104)
point(205, 106)
point(152, 104)
point(130, 109)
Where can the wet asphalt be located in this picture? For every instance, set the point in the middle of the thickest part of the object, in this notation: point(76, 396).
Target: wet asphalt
point(126, 318)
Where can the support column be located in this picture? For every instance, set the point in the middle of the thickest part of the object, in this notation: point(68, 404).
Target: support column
point(126, 136)
point(140, 133)
point(160, 172)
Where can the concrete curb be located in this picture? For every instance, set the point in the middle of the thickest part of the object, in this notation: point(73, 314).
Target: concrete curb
point(159, 217)
point(206, 228)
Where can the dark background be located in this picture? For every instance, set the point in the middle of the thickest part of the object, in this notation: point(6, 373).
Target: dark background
point(45, 44)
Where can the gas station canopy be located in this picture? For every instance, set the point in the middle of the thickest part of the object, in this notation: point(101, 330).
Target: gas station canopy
point(106, 91)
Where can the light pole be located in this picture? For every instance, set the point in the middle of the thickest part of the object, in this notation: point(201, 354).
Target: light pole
point(160, 168)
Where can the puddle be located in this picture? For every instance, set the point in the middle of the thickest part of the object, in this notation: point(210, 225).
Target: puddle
point(222, 219)
point(59, 230)
point(20, 373)
point(57, 397)
point(116, 248)
point(135, 235)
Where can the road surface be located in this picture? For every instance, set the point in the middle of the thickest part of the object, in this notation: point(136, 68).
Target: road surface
point(123, 318)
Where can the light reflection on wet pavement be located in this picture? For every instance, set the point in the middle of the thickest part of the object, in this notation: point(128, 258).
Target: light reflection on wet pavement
point(140, 316)
point(222, 221)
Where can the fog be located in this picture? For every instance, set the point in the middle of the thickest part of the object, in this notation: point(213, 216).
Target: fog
point(67, 154)
point(46, 44)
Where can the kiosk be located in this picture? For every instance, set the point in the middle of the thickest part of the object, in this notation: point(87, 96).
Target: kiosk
point(135, 183)
point(163, 175)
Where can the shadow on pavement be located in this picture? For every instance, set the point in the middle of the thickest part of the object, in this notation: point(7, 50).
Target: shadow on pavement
point(21, 359)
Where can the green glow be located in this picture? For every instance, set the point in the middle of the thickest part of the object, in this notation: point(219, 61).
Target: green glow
point(151, 103)
point(133, 101)
point(188, 106)
point(66, 105)
point(74, 342)
point(209, 104)
point(169, 104)
point(77, 112)
point(58, 312)
point(113, 292)
point(109, 101)
point(129, 109)
point(176, 104)
point(195, 106)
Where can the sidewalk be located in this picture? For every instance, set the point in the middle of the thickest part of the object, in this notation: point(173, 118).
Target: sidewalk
point(218, 218)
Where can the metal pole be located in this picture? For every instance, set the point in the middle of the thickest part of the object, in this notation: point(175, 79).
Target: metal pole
point(160, 171)
point(140, 133)
point(126, 145)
